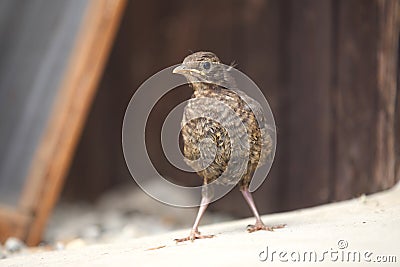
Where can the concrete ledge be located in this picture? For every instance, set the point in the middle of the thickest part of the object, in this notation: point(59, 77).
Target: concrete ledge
point(368, 227)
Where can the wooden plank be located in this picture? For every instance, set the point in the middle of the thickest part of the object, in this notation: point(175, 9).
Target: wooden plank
point(260, 36)
point(308, 72)
point(69, 111)
point(367, 70)
point(388, 89)
point(356, 95)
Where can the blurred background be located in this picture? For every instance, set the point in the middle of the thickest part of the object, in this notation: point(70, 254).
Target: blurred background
point(329, 69)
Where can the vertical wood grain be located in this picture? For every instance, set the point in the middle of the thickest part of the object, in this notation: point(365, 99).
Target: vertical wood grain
point(309, 84)
point(388, 71)
point(367, 47)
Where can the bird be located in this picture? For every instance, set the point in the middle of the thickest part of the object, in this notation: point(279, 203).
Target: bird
point(217, 118)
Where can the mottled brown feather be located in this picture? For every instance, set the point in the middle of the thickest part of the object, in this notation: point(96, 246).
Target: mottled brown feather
point(242, 109)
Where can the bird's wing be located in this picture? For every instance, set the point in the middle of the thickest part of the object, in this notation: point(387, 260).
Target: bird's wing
point(255, 107)
point(266, 130)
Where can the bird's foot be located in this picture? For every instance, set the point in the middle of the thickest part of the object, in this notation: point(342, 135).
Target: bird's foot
point(193, 235)
point(261, 226)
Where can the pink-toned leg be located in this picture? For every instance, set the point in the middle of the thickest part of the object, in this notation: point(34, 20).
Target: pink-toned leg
point(194, 233)
point(259, 223)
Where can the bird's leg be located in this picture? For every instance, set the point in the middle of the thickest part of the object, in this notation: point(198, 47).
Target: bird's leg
point(194, 233)
point(259, 223)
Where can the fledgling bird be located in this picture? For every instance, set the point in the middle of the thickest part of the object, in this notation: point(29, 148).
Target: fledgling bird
point(211, 81)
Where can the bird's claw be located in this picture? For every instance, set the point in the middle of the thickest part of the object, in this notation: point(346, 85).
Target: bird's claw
point(193, 235)
point(261, 226)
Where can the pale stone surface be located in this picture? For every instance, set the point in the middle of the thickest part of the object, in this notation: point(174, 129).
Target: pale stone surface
point(366, 226)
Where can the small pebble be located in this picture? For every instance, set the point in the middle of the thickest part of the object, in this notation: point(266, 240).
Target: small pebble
point(13, 245)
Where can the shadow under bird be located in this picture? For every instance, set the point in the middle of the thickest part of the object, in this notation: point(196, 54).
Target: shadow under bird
point(222, 104)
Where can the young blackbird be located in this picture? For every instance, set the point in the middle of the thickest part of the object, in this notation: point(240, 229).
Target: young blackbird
point(213, 83)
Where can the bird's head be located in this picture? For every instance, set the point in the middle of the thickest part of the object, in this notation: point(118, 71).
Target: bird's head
point(205, 67)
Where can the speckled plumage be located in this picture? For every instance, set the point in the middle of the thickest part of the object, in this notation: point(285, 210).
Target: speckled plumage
point(243, 110)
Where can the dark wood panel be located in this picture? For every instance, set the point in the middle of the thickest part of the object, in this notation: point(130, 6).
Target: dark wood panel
point(327, 67)
point(388, 89)
point(309, 84)
point(356, 104)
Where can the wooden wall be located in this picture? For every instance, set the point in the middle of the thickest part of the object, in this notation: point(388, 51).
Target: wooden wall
point(330, 70)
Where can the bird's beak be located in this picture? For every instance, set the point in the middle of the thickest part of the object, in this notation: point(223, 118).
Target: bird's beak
point(180, 69)
point(185, 70)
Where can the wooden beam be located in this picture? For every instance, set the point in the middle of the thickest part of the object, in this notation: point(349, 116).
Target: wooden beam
point(77, 90)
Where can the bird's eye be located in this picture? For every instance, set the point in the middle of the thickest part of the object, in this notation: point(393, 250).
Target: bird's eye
point(206, 65)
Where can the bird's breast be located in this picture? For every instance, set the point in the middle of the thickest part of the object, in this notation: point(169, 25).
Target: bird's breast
point(232, 132)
